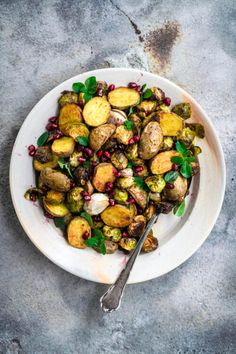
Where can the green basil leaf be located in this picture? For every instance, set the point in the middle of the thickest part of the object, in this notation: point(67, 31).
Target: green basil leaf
point(60, 223)
point(87, 96)
point(190, 159)
point(147, 93)
point(128, 124)
point(141, 184)
point(91, 83)
point(83, 89)
point(98, 234)
point(42, 139)
point(143, 87)
point(82, 140)
point(87, 217)
point(92, 242)
point(186, 170)
point(61, 163)
point(130, 165)
point(181, 148)
point(171, 176)
point(177, 160)
point(102, 248)
point(77, 86)
point(179, 209)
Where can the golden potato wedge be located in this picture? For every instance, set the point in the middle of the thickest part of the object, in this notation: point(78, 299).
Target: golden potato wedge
point(96, 111)
point(171, 124)
point(63, 147)
point(123, 135)
point(103, 173)
point(139, 195)
point(39, 166)
point(123, 97)
point(117, 216)
point(54, 197)
point(100, 135)
point(57, 210)
point(75, 231)
point(161, 163)
point(78, 130)
point(150, 141)
point(70, 114)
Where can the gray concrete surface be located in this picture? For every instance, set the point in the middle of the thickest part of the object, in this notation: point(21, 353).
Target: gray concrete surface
point(43, 309)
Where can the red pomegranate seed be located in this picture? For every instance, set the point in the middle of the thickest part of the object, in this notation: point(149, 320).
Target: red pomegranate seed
point(49, 216)
point(131, 141)
point(56, 136)
point(32, 152)
point(85, 235)
point(138, 169)
point(107, 154)
point(72, 184)
point(138, 88)
point(87, 198)
point(111, 193)
point(81, 159)
point(99, 153)
point(170, 186)
point(112, 202)
point(93, 163)
point(132, 85)
point(88, 151)
point(31, 148)
point(174, 167)
point(125, 234)
point(117, 173)
point(51, 126)
point(131, 200)
point(53, 119)
point(80, 148)
point(136, 138)
point(85, 194)
point(109, 186)
point(111, 87)
point(167, 101)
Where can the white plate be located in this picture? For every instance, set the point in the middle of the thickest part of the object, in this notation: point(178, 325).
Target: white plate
point(178, 238)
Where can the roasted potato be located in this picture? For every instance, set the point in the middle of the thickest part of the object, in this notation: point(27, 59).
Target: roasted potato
point(111, 247)
point(55, 180)
point(75, 231)
point(123, 97)
point(183, 110)
point(70, 115)
point(96, 111)
point(161, 163)
point(56, 210)
point(139, 195)
point(170, 123)
point(68, 97)
point(147, 106)
point(39, 166)
point(54, 197)
point(98, 203)
point(117, 216)
point(150, 141)
point(155, 183)
point(158, 94)
point(63, 147)
point(75, 200)
point(103, 173)
point(128, 243)
point(120, 196)
point(43, 154)
point(100, 135)
point(82, 175)
point(136, 228)
point(123, 135)
point(78, 130)
point(117, 117)
point(125, 182)
point(112, 233)
point(119, 160)
point(132, 152)
point(179, 190)
point(149, 212)
point(150, 244)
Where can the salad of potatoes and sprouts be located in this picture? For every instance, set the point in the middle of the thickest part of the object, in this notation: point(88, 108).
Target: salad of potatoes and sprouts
point(110, 158)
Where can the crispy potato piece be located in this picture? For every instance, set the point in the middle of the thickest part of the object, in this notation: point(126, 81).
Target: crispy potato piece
point(78, 130)
point(150, 141)
point(170, 123)
point(123, 97)
point(54, 197)
point(75, 231)
point(123, 135)
point(39, 166)
point(139, 195)
point(96, 111)
point(179, 190)
point(117, 216)
point(54, 180)
point(161, 163)
point(70, 114)
point(63, 147)
point(100, 135)
point(103, 173)
point(57, 210)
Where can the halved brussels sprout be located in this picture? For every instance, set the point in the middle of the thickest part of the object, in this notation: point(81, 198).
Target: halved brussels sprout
point(55, 197)
point(136, 228)
point(168, 143)
point(82, 175)
point(75, 200)
point(120, 196)
point(187, 136)
point(119, 160)
point(156, 197)
point(150, 244)
point(68, 97)
point(98, 224)
point(138, 162)
point(137, 124)
point(125, 182)
point(36, 192)
point(147, 106)
point(197, 128)
point(196, 150)
point(164, 108)
point(149, 212)
point(150, 117)
point(56, 210)
point(132, 152)
point(155, 183)
point(74, 162)
point(128, 243)
point(39, 166)
point(158, 94)
point(112, 233)
point(183, 110)
point(43, 154)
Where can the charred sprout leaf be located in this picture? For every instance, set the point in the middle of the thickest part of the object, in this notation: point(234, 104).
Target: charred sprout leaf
point(82, 140)
point(65, 166)
point(181, 148)
point(147, 93)
point(60, 223)
point(87, 217)
point(186, 170)
point(77, 86)
point(179, 208)
point(171, 176)
point(42, 139)
point(177, 160)
point(128, 124)
point(141, 184)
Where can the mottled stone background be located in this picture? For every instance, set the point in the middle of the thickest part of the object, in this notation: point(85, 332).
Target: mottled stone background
point(43, 309)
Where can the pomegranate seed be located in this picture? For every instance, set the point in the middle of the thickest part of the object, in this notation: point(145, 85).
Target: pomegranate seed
point(117, 174)
point(88, 151)
point(136, 138)
point(51, 126)
point(85, 235)
point(85, 194)
point(99, 153)
point(81, 159)
point(131, 141)
point(138, 88)
point(93, 163)
point(33, 197)
point(174, 167)
point(49, 216)
point(107, 154)
point(100, 92)
point(132, 85)
point(167, 101)
point(80, 148)
point(72, 184)
point(170, 186)
point(111, 87)
point(125, 234)
point(111, 193)
point(53, 119)
point(31, 148)
point(131, 200)
point(109, 186)
point(112, 202)
point(87, 198)
point(32, 152)
point(56, 136)
point(138, 169)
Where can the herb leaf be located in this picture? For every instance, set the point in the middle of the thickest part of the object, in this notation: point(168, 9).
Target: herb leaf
point(181, 148)
point(143, 87)
point(171, 176)
point(177, 160)
point(91, 242)
point(87, 217)
point(147, 93)
point(87, 96)
point(179, 209)
point(102, 248)
point(64, 166)
point(97, 240)
point(186, 170)
point(128, 124)
point(91, 83)
point(77, 87)
point(60, 223)
point(130, 165)
point(82, 140)
point(131, 111)
point(42, 139)
point(141, 184)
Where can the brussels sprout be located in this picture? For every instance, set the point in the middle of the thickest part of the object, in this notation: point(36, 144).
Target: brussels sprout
point(151, 117)
point(125, 182)
point(168, 143)
point(33, 194)
point(111, 247)
point(155, 183)
point(132, 152)
point(55, 197)
point(137, 124)
point(127, 172)
point(119, 160)
point(150, 244)
point(164, 108)
point(158, 94)
point(97, 203)
point(74, 162)
point(110, 143)
point(156, 197)
point(43, 154)
point(127, 243)
point(98, 224)
point(68, 97)
point(143, 173)
point(82, 175)
point(112, 233)
point(75, 200)
point(183, 110)
point(147, 106)
point(149, 212)
point(123, 135)
point(187, 136)
point(197, 128)
point(120, 196)
point(196, 150)
point(164, 207)
point(136, 228)
point(138, 162)
point(55, 180)
point(102, 87)
point(195, 168)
